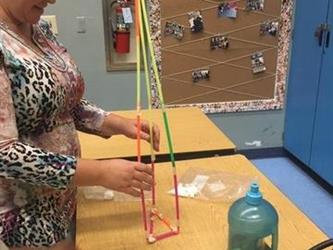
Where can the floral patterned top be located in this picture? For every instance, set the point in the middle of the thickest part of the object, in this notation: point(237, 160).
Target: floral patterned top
point(41, 107)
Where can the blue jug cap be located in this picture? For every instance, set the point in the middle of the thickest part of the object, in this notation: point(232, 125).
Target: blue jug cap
point(253, 196)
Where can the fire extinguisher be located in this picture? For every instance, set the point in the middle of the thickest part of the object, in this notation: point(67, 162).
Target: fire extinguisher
point(121, 29)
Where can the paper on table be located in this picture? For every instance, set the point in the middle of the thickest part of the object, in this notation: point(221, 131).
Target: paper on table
point(191, 189)
point(200, 181)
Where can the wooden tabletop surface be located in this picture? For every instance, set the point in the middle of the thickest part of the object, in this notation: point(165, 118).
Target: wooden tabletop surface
point(193, 133)
point(109, 225)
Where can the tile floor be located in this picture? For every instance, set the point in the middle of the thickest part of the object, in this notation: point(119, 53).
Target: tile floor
point(309, 196)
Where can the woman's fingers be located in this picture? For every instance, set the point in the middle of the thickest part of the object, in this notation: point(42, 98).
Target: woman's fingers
point(145, 134)
point(141, 185)
point(143, 173)
point(144, 168)
point(156, 137)
point(131, 191)
point(142, 177)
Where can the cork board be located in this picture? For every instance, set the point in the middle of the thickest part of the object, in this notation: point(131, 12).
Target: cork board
point(232, 85)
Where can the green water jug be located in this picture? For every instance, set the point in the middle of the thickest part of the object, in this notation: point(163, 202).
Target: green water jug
point(253, 223)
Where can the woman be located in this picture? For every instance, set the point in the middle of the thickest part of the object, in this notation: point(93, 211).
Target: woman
point(41, 107)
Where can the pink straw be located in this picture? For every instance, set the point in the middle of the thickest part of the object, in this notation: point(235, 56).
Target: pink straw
point(165, 235)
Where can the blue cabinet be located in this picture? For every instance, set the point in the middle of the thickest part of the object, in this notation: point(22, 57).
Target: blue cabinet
point(321, 160)
point(308, 131)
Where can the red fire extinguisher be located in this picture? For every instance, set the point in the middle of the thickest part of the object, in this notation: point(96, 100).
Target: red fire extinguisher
point(121, 28)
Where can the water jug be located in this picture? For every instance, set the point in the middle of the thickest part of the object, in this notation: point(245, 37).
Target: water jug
point(253, 223)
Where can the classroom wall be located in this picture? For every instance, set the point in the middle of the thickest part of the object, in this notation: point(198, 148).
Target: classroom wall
point(116, 90)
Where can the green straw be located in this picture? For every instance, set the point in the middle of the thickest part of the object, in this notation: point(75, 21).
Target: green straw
point(148, 88)
point(157, 78)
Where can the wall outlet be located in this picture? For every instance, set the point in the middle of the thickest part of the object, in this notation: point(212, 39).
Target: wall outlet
point(52, 22)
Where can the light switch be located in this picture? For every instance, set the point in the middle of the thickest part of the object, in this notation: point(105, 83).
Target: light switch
point(52, 21)
point(81, 24)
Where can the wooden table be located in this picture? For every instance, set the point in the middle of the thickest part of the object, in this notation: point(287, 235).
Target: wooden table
point(108, 225)
point(194, 136)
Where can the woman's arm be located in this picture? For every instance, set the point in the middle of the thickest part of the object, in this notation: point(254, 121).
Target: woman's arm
point(25, 162)
point(36, 166)
point(114, 124)
point(89, 118)
point(120, 175)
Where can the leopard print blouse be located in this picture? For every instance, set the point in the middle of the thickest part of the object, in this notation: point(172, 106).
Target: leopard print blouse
point(41, 107)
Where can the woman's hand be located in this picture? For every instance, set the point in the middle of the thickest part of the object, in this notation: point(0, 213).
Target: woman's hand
point(115, 124)
point(125, 176)
point(130, 130)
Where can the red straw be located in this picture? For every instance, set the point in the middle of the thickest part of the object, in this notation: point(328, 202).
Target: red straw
point(151, 226)
point(138, 123)
point(153, 188)
point(177, 200)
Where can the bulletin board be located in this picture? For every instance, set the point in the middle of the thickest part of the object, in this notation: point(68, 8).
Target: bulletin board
point(233, 84)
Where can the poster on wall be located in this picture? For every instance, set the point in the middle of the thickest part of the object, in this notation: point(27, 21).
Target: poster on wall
point(222, 56)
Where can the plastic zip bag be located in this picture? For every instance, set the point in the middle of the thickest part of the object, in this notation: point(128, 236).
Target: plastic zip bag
point(213, 185)
point(102, 193)
point(97, 193)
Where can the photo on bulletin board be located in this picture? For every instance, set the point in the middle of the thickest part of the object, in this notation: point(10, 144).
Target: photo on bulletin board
point(119, 33)
point(220, 55)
